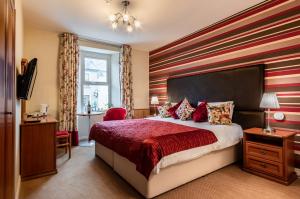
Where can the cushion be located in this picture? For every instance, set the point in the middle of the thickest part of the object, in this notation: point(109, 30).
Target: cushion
point(200, 114)
point(219, 114)
point(115, 114)
point(173, 109)
point(62, 133)
point(185, 110)
point(220, 103)
point(163, 110)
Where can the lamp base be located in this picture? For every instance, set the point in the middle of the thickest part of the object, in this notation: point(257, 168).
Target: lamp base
point(269, 130)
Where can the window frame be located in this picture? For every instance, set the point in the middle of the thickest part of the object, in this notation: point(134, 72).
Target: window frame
point(94, 55)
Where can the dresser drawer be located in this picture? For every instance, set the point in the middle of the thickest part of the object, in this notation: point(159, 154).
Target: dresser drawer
point(265, 166)
point(264, 151)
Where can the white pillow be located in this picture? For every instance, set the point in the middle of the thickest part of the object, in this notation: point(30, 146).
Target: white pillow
point(174, 103)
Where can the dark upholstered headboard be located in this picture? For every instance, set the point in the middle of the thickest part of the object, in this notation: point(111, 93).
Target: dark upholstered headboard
point(244, 86)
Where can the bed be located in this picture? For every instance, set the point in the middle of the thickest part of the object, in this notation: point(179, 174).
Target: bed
point(181, 167)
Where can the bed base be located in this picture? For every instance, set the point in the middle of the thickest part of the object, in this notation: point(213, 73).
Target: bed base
point(169, 177)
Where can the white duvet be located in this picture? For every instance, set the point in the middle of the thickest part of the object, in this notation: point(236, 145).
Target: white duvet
point(227, 137)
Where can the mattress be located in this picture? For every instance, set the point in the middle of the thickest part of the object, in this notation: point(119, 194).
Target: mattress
point(170, 177)
point(228, 135)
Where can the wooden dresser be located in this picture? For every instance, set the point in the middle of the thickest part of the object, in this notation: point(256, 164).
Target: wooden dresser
point(38, 148)
point(270, 155)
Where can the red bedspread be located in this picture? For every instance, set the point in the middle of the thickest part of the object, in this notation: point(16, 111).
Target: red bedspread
point(144, 142)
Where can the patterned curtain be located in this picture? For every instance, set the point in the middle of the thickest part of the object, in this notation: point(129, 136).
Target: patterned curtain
point(126, 79)
point(68, 76)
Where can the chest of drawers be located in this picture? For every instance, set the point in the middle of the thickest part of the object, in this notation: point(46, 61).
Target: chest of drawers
point(269, 155)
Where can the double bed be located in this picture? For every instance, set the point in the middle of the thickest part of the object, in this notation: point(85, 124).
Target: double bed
point(180, 167)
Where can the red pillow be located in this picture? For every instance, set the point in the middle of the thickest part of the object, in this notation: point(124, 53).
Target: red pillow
point(200, 114)
point(115, 114)
point(173, 109)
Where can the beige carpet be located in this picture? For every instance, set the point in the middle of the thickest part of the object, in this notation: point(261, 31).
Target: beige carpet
point(87, 177)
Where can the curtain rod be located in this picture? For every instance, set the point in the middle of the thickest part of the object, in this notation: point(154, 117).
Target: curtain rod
point(82, 38)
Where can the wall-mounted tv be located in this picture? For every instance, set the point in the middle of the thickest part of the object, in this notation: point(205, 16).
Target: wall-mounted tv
point(25, 82)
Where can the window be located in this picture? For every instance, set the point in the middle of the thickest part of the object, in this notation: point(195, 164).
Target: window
point(95, 81)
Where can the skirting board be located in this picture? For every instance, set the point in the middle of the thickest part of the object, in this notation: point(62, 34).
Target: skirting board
point(18, 187)
point(297, 172)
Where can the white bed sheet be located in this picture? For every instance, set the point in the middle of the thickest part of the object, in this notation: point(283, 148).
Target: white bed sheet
point(228, 135)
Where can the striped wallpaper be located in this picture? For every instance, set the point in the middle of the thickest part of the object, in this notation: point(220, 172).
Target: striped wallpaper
point(268, 33)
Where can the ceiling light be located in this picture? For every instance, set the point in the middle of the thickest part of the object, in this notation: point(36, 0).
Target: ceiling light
point(137, 23)
point(112, 18)
point(114, 25)
point(123, 18)
point(126, 17)
point(129, 28)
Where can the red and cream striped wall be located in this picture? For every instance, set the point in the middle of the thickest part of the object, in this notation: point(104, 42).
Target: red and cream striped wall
point(268, 33)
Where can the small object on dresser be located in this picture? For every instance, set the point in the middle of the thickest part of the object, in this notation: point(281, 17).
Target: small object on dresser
point(44, 109)
point(270, 155)
point(89, 107)
point(32, 119)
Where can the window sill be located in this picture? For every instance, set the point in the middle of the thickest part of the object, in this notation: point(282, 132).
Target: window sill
point(91, 114)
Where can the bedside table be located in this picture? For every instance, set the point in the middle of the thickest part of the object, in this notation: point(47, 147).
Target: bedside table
point(270, 155)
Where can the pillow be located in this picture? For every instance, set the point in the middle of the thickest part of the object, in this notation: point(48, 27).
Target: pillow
point(163, 110)
point(200, 114)
point(220, 103)
point(185, 110)
point(172, 110)
point(219, 114)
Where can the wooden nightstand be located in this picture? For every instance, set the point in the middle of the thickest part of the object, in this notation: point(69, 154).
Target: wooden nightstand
point(270, 155)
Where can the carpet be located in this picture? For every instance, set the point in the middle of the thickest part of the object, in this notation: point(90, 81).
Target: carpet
point(86, 143)
point(85, 176)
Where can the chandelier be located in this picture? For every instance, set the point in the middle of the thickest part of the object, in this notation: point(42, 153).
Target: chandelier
point(123, 18)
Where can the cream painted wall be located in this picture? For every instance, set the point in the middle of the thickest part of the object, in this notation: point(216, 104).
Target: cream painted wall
point(140, 73)
point(18, 58)
point(44, 46)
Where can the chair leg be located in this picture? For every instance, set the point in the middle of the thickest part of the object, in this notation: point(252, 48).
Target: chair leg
point(66, 148)
point(70, 144)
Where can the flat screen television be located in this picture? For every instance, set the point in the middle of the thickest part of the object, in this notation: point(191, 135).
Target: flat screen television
point(25, 82)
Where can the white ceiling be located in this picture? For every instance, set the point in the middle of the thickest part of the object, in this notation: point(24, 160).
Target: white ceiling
point(163, 21)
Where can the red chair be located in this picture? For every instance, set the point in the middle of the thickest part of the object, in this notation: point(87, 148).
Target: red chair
point(115, 114)
point(63, 139)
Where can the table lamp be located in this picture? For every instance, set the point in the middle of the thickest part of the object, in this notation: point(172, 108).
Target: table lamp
point(154, 101)
point(268, 101)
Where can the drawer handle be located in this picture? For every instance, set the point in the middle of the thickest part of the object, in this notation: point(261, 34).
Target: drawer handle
point(7, 113)
point(263, 152)
point(263, 165)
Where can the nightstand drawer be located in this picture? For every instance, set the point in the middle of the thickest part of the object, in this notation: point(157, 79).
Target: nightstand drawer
point(265, 166)
point(264, 151)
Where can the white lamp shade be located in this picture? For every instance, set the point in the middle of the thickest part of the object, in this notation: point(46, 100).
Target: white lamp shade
point(154, 100)
point(269, 100)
